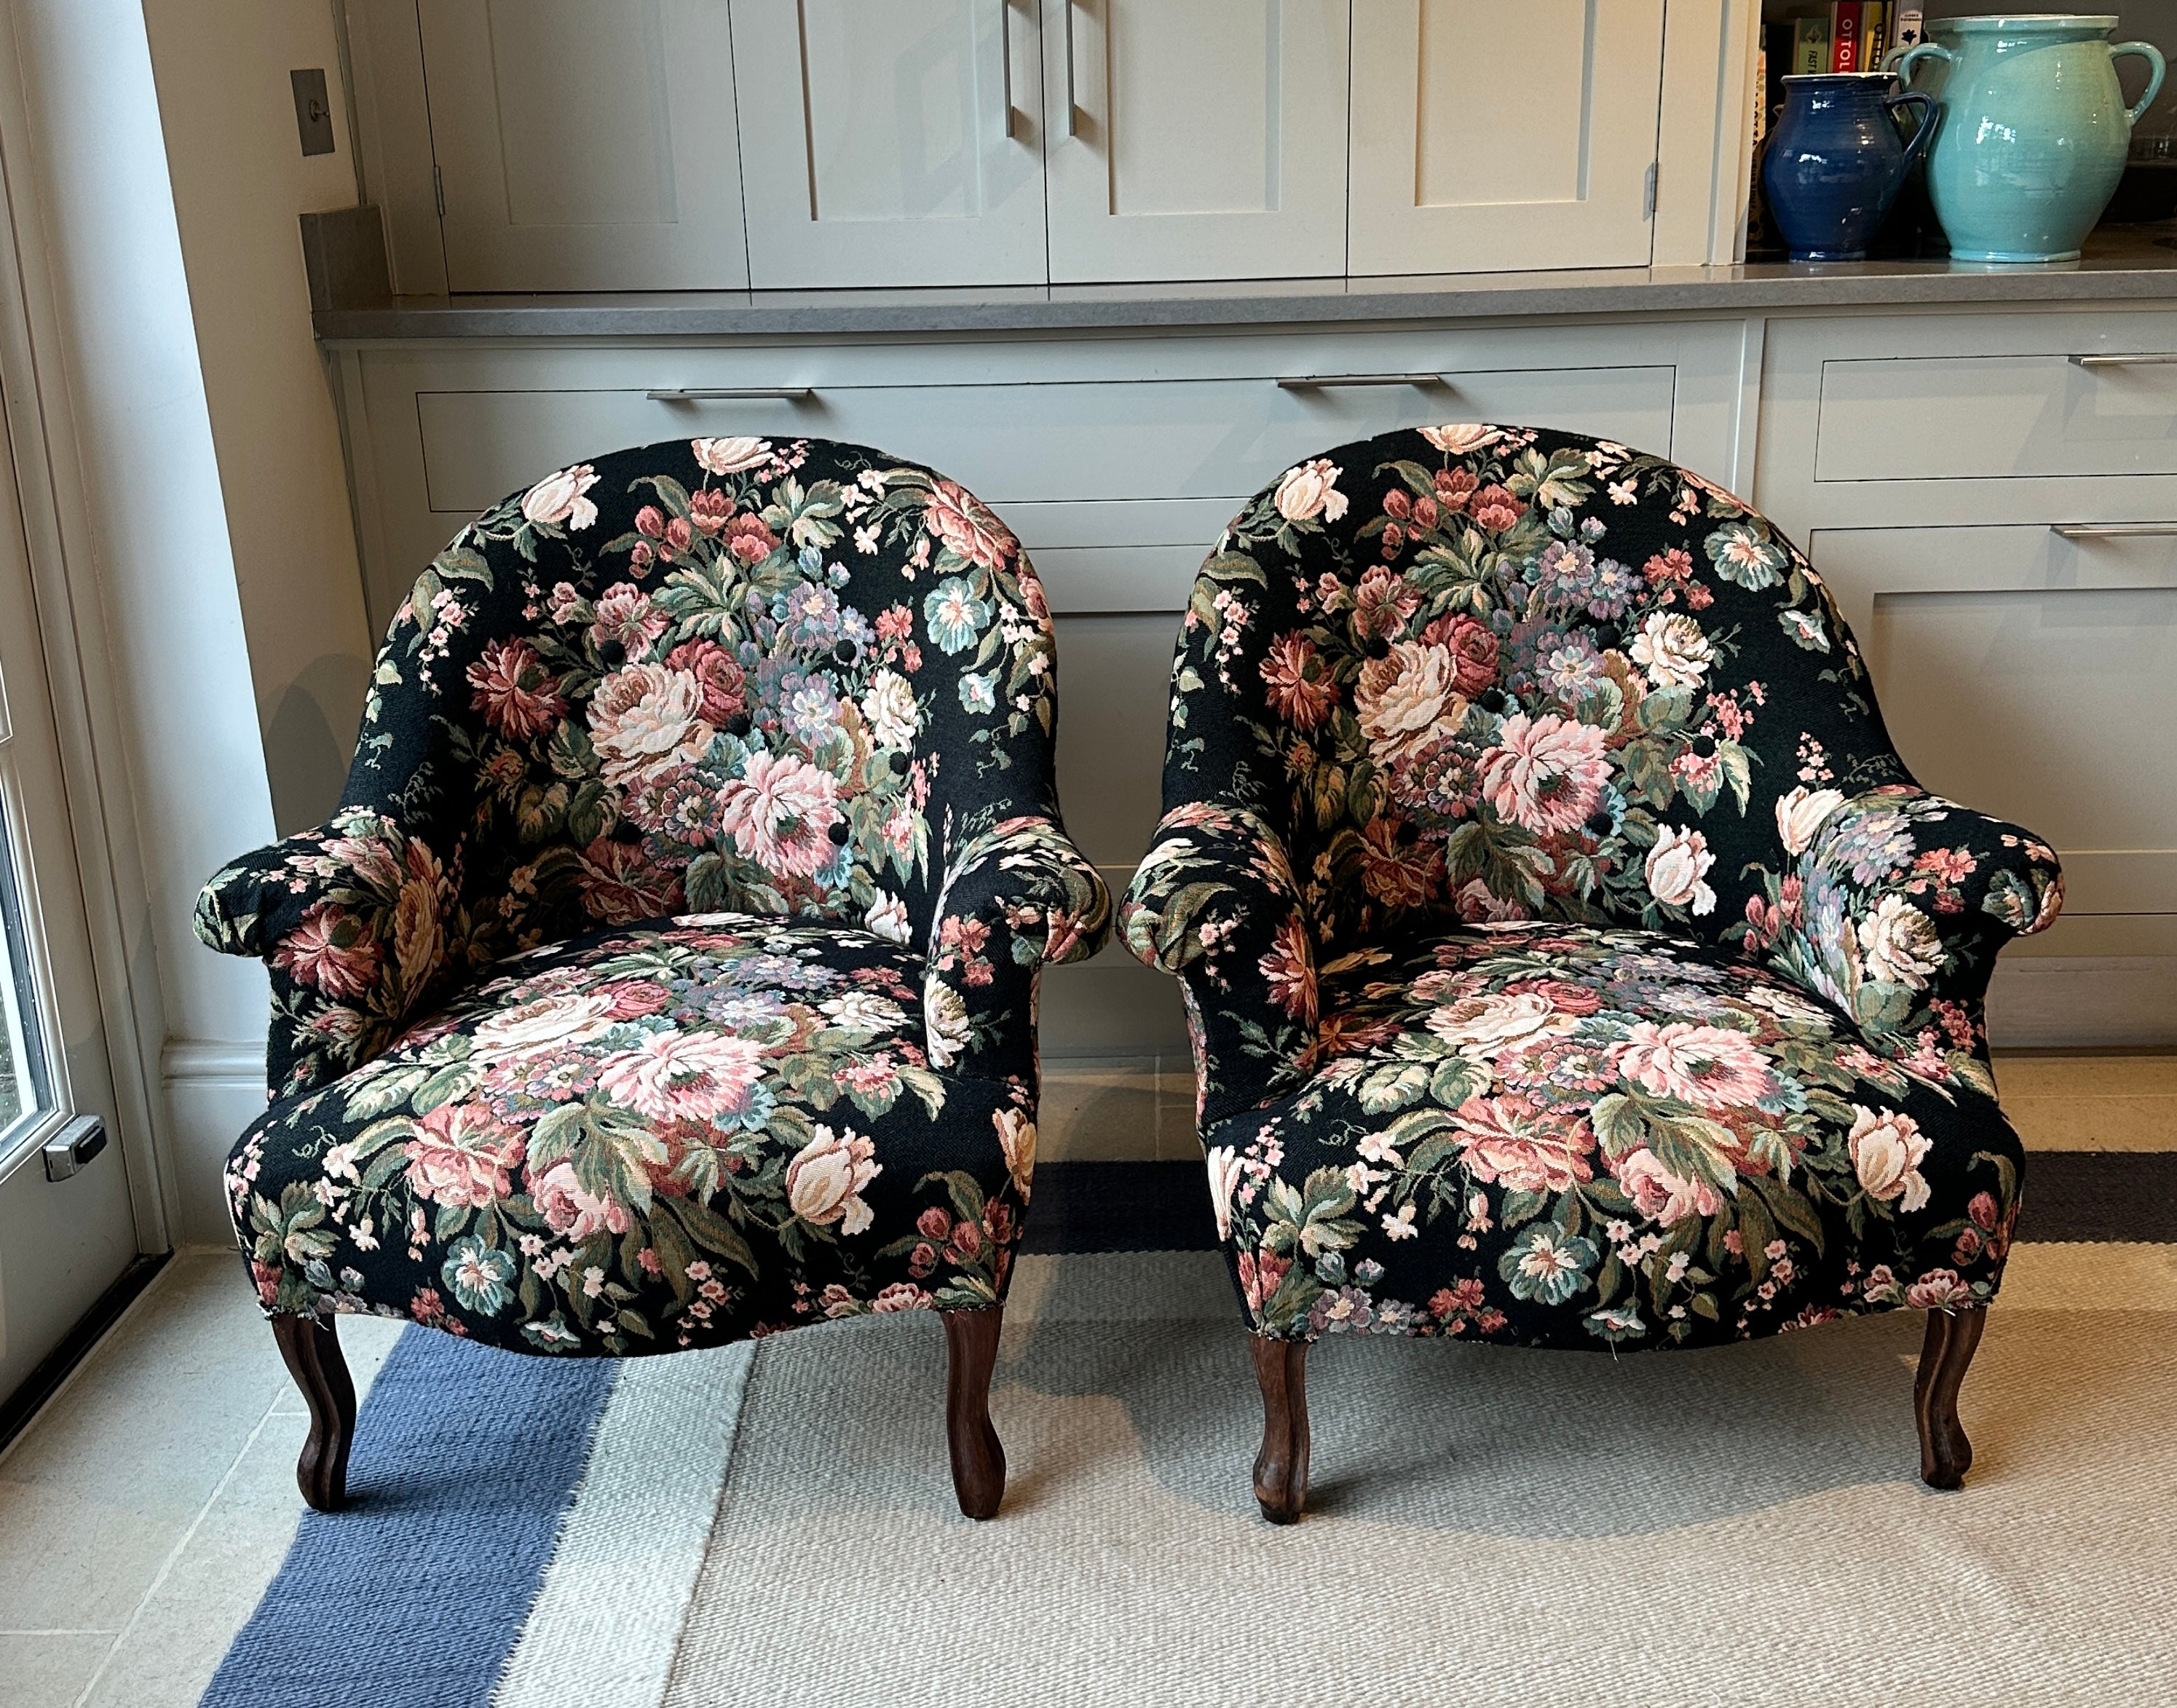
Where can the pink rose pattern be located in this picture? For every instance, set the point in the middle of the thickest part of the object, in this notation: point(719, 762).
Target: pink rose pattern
point(547, 1036)
point(711, 1126)
point(1569, 956)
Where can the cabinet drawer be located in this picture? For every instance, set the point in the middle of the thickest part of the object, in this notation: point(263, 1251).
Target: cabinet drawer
point(1996, 417)
point(2034, 677)
point(1087, 441)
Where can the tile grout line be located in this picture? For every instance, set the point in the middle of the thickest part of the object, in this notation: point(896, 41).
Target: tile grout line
point(173, 1554)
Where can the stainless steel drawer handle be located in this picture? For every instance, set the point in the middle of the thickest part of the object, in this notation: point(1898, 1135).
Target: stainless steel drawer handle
point(1072, 104)
point(1324, 382)
point(699, 394)
point(1006, 61)
point(2113, 531)
point(2159, 359)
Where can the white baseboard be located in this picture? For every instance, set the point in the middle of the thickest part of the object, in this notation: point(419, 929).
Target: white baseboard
point(213, 1091)
point(2083, 1002)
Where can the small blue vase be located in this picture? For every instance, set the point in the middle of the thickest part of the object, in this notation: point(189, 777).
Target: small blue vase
point(1837, 162)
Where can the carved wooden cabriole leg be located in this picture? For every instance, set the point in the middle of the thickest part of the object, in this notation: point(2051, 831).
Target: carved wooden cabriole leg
point(1945, 1453)
point(978, 1458)
point(1281, 1466)
point(313, 1354)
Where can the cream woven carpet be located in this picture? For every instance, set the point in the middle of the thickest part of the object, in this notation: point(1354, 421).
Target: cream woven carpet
point(1488, 1526)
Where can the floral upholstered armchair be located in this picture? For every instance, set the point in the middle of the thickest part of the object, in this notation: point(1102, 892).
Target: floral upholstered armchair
point(1570, 959)
point(668, 972)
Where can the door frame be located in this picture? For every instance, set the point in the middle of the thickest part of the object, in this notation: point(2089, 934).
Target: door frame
point(80, 679)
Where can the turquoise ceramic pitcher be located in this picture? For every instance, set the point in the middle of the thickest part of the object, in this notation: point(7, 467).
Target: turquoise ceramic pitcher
point(2033, 134)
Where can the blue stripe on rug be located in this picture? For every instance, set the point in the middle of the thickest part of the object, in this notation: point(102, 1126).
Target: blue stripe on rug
point(465, 1461)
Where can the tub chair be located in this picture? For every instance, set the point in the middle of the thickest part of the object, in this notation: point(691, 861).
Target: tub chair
point(667, 974)
point(1570, 959)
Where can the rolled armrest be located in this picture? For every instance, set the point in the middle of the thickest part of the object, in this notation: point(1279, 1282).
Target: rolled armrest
point(350, 920)
point(1016, 897)
point(1895, 910)
point(1214, 902)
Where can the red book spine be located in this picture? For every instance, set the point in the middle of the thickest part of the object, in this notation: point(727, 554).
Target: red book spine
point(1844, 35)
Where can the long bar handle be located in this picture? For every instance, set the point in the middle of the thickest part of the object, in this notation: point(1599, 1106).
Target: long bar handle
point(1005, 60)
point(1324, 382)
point(2160, 359)
point(2113, 531)
point(705, 394)
point(1072, 110)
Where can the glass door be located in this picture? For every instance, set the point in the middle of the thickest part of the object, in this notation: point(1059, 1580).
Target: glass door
point(67, 1231)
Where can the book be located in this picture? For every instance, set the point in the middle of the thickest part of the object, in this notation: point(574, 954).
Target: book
point(1873, 34)
point(1909, 31)
point(1774, 60)
point(1810, 45)
point(1844, 34)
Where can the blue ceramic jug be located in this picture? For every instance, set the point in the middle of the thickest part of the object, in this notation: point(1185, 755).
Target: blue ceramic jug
point(2034, 130)
point(1836, 162)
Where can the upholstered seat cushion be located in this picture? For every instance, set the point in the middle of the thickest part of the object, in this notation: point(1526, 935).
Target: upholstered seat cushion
point(678, 1133)
point(1569, 1135)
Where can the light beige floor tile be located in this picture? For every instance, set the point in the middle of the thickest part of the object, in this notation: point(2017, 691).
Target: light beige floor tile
point(178, 1636)
point(1097, 1109)
point(48, 1669)
point(175, 1571)
point(2079, 1102)
point(95, 1494)
point(2100, 1275)
point(2094, 1123)
point(2067, 1075)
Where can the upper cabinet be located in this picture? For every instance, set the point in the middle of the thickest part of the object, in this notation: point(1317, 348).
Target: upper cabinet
point(584, 144)
point(1497, 137)
point(894, 142)
point(534, 145)
point(1195, 138)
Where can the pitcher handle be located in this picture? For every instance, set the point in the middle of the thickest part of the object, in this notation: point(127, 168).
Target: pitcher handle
point(2157, 65)
point(1930, 116)
point(1899, 61)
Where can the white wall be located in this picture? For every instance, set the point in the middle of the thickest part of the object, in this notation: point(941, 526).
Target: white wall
point(240, 179)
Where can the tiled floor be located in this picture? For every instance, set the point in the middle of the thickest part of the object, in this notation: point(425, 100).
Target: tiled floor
point(146, 1509)
point(142, 1512)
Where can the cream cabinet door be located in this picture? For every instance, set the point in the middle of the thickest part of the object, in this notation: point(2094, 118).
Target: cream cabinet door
point(1195, 138)
point(584, 144)
point(891, 142)
point(1487, 136)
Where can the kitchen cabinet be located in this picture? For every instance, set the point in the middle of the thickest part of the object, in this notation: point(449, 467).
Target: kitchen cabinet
point(1991, 499)
point(1500, 137)
point(891, 142)
point(1195, 138)
point(583, 144)
point(558, 146)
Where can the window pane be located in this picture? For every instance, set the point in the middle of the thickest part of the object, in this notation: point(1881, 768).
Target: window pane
point(23, 1084)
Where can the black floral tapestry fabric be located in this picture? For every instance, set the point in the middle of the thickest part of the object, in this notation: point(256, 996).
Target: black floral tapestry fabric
point(668, 972)
point(1570, 957)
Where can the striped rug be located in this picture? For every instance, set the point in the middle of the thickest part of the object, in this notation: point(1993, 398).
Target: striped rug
point(774, 1525)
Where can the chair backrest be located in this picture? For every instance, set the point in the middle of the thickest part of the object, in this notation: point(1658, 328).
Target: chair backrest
point(738, 673)
point(1480, 672)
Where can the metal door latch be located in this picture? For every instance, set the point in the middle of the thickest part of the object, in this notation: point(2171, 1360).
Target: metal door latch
point(70, 1150)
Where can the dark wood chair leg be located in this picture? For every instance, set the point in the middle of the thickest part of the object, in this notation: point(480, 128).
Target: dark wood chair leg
point(978, 1457)
point(1946, 1454)
point(313, 1354)
point(1281, 1466)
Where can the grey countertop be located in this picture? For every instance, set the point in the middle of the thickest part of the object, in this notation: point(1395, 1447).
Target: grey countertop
point(2123, 264)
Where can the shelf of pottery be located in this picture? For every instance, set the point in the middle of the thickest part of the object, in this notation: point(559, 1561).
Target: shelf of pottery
point(1998, 139)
